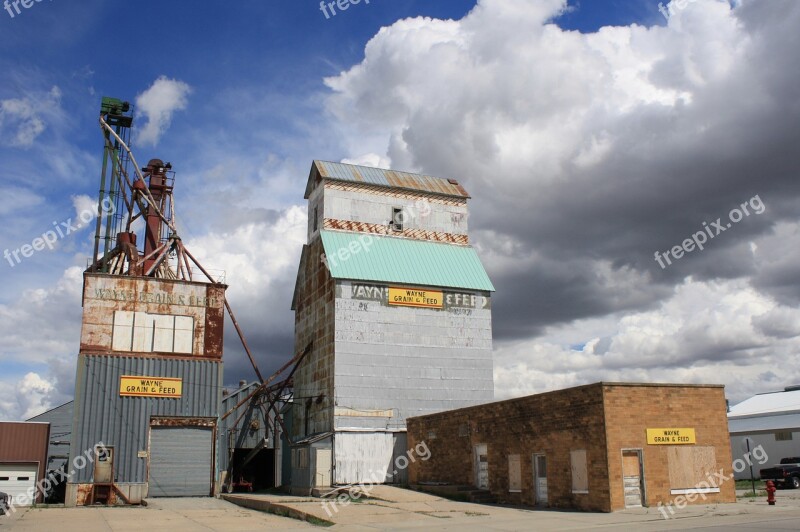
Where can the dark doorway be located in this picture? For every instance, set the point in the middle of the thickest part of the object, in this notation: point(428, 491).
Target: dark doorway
point(260, 471)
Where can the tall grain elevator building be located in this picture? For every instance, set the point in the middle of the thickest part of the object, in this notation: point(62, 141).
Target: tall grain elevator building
point(398, 307)
point(149, 368)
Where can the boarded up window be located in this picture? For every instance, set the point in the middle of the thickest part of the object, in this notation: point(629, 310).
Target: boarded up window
point(146, 333)
point(300, 457)
point(692, 467)
point(630, 464)
point(580, 473)
point(514, 473)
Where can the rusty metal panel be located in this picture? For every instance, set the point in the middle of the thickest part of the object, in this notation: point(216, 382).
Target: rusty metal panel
point(120, 314)
point(379, 229)
point(102, 415)
point(384, 178)
point(60, 419)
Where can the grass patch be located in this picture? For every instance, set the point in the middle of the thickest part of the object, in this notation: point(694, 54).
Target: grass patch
point(747, 485)
point(283, 512)
point(433, 514)
point(760, 494)
point(318, 522)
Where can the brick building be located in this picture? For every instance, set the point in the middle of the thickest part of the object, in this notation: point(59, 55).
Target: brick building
point(599, 447)
point(398, 307)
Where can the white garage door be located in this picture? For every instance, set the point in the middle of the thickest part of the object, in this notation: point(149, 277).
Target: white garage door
point(16, 479)
point(180, 462)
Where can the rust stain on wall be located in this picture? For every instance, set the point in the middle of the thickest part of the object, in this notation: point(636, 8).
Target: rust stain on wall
point(105, 295)
point(378, 229)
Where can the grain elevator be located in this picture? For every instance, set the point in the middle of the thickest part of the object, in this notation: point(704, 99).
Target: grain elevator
point(398, 306)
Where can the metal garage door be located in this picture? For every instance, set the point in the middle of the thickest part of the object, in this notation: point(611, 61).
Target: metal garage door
point(16, 479)
point(180, 462)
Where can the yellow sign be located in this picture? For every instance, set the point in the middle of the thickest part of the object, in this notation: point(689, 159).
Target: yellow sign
point(670, 436)
point(150, 387)
point(414, 297)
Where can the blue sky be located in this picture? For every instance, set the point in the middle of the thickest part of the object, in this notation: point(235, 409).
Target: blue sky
point(609, 131)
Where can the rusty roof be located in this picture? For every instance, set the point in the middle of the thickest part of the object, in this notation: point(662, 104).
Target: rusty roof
point(382, 178)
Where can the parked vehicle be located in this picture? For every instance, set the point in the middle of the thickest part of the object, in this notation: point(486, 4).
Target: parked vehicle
point(786, 474)
point(4, 498)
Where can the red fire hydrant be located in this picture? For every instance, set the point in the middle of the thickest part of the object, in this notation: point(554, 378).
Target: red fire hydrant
point(771, 493)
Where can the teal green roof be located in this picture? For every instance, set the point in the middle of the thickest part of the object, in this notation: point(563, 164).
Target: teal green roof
point(364, 257)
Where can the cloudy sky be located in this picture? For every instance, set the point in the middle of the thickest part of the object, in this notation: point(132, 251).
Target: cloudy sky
point(591, 135)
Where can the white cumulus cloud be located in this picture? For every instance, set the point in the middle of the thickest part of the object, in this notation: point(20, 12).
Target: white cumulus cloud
point(157, 104)
point(22, 120)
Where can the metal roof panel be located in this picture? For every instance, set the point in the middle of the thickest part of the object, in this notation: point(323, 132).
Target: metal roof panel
point(365, 257)
point(783, 402)
point(384, 178)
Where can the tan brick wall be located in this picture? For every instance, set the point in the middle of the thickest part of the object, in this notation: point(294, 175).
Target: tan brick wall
point(630, 410)
point(314, 320)
point(553, 423)
point(600, 418)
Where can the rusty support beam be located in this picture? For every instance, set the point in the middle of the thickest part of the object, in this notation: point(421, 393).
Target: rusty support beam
point(296, 359)
point(244, 342)
point(211, 279)
point(186, 261)
point(166, 248)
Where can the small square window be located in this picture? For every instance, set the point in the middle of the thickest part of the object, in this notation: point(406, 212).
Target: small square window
point(783, 435)
point(398, 218)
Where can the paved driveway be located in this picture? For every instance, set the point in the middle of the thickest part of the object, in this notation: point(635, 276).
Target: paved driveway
point(161, 515)
point(397, 509)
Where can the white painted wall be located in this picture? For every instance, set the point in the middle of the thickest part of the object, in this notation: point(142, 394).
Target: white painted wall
point(421, 212)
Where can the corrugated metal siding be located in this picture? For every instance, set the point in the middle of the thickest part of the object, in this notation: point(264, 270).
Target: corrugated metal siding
point(244, 436)
point(180, 462)
point(384, 178)
point(404, 261)
point(60, 419)
point(23, 442)
point(101, 415)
